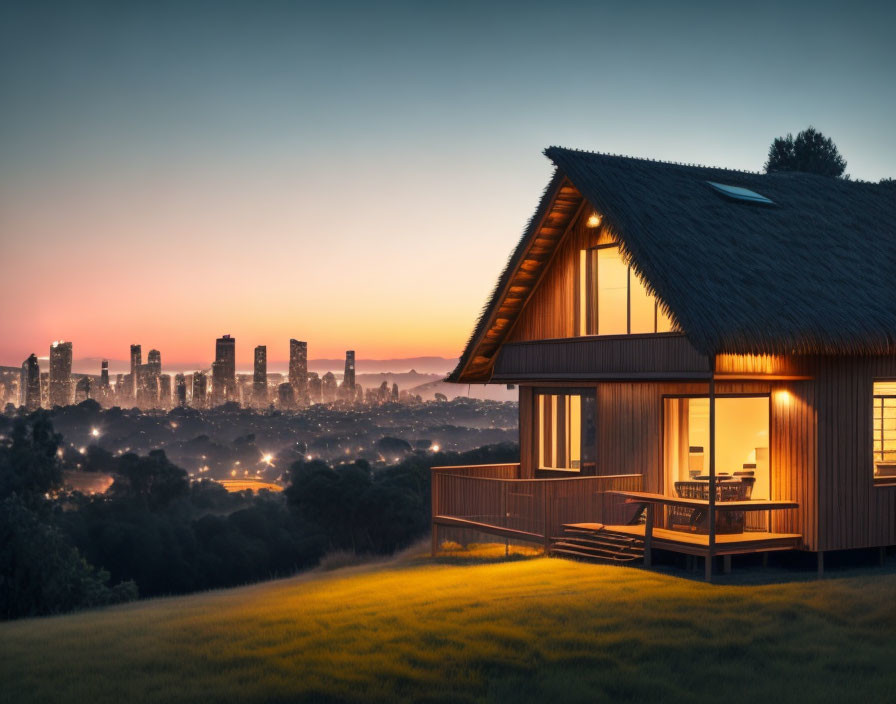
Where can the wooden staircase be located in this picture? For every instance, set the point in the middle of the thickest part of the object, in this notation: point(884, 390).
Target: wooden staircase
point(594, 541)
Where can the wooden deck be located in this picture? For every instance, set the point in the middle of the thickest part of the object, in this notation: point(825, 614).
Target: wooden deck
point(696, 544)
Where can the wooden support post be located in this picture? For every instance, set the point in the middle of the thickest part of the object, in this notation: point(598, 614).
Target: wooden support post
point(434, 483)
point(712, 471)
point(648, 536)
point(820, 563)
point(547, 523)
point(726, 564)
point(707, 574)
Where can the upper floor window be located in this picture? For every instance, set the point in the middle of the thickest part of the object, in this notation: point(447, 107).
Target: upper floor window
point(884, 430)
point(613, 300)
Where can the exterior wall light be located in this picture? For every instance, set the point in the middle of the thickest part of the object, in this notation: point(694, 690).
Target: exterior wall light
point(594, 220)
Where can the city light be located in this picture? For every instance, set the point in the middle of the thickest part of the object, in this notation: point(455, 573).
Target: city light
point(435, 448)
point(267, 458)
point(95, 432)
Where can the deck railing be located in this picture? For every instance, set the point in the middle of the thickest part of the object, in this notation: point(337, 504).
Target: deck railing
point(493, 499)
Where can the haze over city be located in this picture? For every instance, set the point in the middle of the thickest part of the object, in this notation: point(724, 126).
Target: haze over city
point(177, 171)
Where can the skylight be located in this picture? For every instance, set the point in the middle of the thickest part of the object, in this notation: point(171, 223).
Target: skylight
point(742, 194)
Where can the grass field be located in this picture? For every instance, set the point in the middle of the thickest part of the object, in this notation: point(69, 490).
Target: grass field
point(487, 629)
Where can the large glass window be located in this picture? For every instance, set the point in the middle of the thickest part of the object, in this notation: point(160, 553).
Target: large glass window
point(613, 299)
point(566, 430)
point(884, 433)
point(742, 441)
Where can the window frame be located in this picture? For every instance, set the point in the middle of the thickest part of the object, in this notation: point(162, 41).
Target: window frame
point(880, 480)
point(587, 306)
point(537, 448)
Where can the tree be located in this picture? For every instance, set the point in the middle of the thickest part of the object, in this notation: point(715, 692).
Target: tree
point(810, 152)
point(41, 573)
point(29, 465)
point(153, 481)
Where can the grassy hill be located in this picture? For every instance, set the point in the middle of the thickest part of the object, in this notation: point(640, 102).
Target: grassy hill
point(533, 630)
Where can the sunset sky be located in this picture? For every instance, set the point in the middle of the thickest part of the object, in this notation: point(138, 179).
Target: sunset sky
point(356, 174)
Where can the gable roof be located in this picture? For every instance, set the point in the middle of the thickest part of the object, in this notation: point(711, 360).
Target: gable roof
point(814, 273)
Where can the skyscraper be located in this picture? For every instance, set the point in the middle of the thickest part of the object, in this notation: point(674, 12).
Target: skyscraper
point(348, 380)
point(29, 384)
point(82, 389)
point(260, 376)
point(60, 374)
point(136, 361)
point(328, 387)
point(298, 368)
point(147, 386)
point(200, 389)
point(154, 360)
point(286, 396)
point(224, 371)
point(180, 390)
point(104, 374)
point(164, 390)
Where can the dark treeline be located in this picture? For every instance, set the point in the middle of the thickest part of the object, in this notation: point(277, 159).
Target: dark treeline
point(154, 532)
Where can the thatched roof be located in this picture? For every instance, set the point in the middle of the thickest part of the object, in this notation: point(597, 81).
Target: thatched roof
point(815, 273)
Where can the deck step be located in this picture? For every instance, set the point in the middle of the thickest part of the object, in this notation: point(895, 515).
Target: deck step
point(595, 551)
point(604, 535)
point(577, 554)
point(608, 543)
point(592, 541)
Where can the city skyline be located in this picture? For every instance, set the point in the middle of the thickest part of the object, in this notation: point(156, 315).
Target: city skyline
point(175, 170)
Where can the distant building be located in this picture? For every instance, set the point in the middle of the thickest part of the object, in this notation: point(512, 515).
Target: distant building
point(164, 390)
point(224, 371)
point(154, 360)
point(260, 376)
point(298, 368)
point(314, 387)
point(286, 396)
point(29, 384)
point(121, 384)
point(136, 361)
point(395, 395)
point(147, 386)
point(82, 389)
point(104, 374)
point(200, 390)
point(60, 390)
point(180, 390)
point(347, 388)
point(328, 387)
point(348, 380)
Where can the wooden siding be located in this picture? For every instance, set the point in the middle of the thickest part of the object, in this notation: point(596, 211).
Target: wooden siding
point(853, 511)
point(617, 356)
point(566, 203)
point(550, 311)
point(630, 437)
point(793, 459)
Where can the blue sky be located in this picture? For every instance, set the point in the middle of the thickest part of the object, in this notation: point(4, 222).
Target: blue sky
point(357, 173)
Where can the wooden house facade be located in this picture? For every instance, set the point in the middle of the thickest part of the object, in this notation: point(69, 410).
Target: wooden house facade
point(706, 361)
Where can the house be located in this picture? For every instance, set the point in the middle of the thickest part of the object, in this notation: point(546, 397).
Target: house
point(706, 363)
